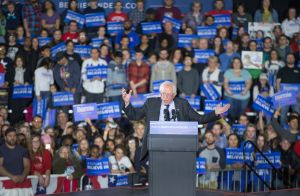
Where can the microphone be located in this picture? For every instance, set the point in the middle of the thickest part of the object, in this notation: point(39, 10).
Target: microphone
point(167, 115)
point(174, 115)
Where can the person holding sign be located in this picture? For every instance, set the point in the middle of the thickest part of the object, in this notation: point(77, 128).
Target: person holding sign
point(93, 8)
point(167, 107)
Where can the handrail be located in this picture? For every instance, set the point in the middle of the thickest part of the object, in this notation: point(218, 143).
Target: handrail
point(253, 170)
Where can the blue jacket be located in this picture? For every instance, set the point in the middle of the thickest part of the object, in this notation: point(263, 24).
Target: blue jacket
point(258, 17)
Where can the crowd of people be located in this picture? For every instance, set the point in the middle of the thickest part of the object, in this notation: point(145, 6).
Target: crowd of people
point(135, 61)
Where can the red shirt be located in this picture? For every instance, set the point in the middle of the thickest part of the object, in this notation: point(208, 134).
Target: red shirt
point(138, 73)
point(172, 12)
point(215, 12)
point(117, 17)
point(72, 36)
point(41, 163)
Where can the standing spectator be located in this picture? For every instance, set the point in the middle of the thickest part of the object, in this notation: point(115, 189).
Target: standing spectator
point(93, 88)
point(14, 164)
point(193, 18)
point(263, 88)
point(289, 74)
point(72, 6)
point(93, 8)
point(188, 79)
point(227, 56)
point(32, 18)
point(13, 17)
point(240, 101)
point(67, 76)
point(41, 163)
point(219, 9)
point(117, 15)
point(5, 62)
point(218, 46)
point(145, 46)
point(50, 19)
point(168, 35)
point(12, 46)
point(138, 14)
point(133, 37)
point(138, 74)
point(36, 125)
point(163, 69)
point(168, 10)
point(70, 54)
point(56, 38)
point(291, 24)
point(105, 53)
point(283, 47)
point(72, 33)
point(266, 13)
point(241, 17)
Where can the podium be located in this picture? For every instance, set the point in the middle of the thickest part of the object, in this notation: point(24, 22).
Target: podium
point(172, 155)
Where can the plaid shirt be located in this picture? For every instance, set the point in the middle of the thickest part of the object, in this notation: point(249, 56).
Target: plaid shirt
point(33, 16)
point(137, 16)
point(138, 73)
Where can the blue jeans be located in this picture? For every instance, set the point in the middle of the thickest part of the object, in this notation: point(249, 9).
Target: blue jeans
point(285, 110)
point(237, 108)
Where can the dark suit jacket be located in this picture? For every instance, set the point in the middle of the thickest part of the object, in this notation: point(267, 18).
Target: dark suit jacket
point(151, 109)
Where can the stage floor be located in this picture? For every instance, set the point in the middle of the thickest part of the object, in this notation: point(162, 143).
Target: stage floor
point(144, 192)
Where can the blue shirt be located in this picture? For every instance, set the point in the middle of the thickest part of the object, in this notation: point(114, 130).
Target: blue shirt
point(134, 39)
point(226, 59)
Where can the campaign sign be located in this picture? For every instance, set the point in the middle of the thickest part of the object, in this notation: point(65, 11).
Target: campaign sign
point(96, 42)
point(84, 51)
point(138, 100)
point(62, 99)
point(195, 102)
point(210, 105)
point(237, 87)
point(79, 18)
point(200, 165)
point(203, 55)
point(176, 23)
point(151, 27)
point(115, 180)
point(84, 111)
point(210, 92)
point(222, 20)
point(206, 32)
point(235, 155)
point(156, 84)
point(179, 67)
point(50, 118)
point(238, 129)
point(75, 147)
point(44, 41)
point(96, 71)
point(2, 79)
point(264, 104)
point(97, 167)
point(274, 158)
point(22, 91)
point(115, 27)
point(290, 87)
point(185, 40)
point(284, 98)
point(57, 48)
point(94, 19)
point(39, 107)
point(108, 110)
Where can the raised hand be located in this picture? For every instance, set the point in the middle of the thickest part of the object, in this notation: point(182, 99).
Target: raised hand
point(126, 96)
point(220, 110)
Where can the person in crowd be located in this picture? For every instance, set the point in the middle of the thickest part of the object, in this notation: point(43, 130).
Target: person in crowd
point(263, 88)
point(72, 6)
point(132, 146)
point(93, 8)
point(14, 164)
point(133, 37)
point(41, 163)
point(138, 14)
point(12, 16)
point(218, 45)
point(168, 10)
point(250, 134)
point(139, 74)
point(110, 131)
point(71, 54)
point(5, 61)
point(83, 149)
point(168, 34)
point(117, 15)
point(32, 11)
point(99, 141)
point(194, 17)
point(227, 57)
point(105, 53)
point(36, 125)
point(49, 18)
point(12, 46)
point(238, 100)
point(291, 24)
point(93, 88)
point(283, 47)
point(241, 17)
point(266, 13)
point(219, 9)
point(56, 38)
point(119, 162)
point(188, 79)
point(72, 33)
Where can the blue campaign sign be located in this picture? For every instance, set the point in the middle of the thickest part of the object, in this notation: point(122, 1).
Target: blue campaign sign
point(238, 129)
point(284, 98)
point(84, 111)
point(62, 99)
point(203, 55)
point(39, 107)
point(84, 51)
point(200, 165)
point(210, 105)
point(44, 41)
point(79, 18)
point(138, 100)
point(237, 87)
point(96, 42)
point(151, 27)
point(58, 48)
point(116, 86)
point(206, 32)
point(273, 157)
point(2, 79)
point(260, 44)
point(96, 71)
point(22, 91)
point(176, 23)
point(210, 91)
point(235, 155)
point(185, 40)
point(50, 118)
point(222, 20)
point(115, 27)
point(195, 102)
point(97, 167)
point(75, 147)
point(156, 84)
point(108, 110)
point(94, 19)
point(179, 67)
point(115, 180)
point(264, 104)
point(290, 87)
point(171, 128)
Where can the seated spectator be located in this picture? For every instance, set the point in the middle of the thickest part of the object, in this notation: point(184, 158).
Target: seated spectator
point(72, 33)
point(119, 162)
point(117, 15)
point(194, 17)
point(168, 10)
point(266, 13)
point(241, 17)
point(291, 24)
point(49, 18)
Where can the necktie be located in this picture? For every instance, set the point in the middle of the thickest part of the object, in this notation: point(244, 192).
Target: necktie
point(167, 113)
